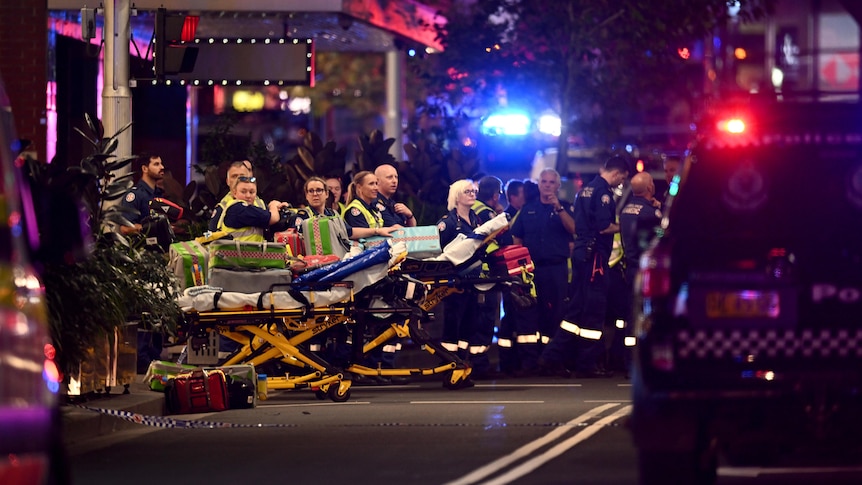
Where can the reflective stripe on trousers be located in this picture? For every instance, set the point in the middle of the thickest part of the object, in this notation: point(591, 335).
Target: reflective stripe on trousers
point(586, 333)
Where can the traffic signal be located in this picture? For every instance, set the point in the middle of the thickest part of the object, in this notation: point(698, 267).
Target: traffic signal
point(171, 55)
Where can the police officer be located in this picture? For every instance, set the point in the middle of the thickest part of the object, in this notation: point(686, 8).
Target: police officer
point(581, 328)
point(394, 213)
point(142, 193)
point(546, 227)
point(460, 309)
point(638, 221)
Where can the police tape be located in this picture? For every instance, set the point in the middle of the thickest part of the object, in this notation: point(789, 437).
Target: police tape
point(165, 422)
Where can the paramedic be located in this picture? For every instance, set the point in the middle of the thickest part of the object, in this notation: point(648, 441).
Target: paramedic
point(460, 309)
point(394, 213)
point(246, 217)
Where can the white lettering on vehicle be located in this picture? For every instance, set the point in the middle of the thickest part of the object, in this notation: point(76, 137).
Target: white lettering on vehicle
point(826, 291)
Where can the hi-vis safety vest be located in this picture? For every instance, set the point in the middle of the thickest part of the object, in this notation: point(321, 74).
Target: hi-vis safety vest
point(254, 234)
point(616, 251)
point(480, 207)
point(374, 220)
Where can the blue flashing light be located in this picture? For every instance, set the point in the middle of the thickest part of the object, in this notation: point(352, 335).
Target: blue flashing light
point(411, 52)
point(509, 124)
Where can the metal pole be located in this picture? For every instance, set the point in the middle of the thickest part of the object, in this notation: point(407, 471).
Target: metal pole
point(394, 98)
point(116, 95)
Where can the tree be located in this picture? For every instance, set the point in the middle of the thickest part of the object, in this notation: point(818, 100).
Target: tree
point(594, 62)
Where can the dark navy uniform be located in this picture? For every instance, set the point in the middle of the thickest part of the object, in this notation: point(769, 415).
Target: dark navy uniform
point(518, 338)
point(460, 309)
point(539, 226)
point(638, 220)
point(139, 198)
point(386, 207)
point(581, 328)
point(359, 214)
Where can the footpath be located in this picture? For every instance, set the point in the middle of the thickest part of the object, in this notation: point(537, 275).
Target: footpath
point(81, 424)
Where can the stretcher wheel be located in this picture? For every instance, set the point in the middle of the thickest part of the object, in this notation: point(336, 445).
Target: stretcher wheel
point(338, 394)
point(460, 383)
point(320, 394)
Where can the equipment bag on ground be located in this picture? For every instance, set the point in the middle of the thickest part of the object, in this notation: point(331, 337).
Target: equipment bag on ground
point(161, 371)
point(235, 254)
point(198, 391)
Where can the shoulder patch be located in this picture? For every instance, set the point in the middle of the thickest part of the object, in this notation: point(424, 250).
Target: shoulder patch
point(380, 206)
point(130, 197)
point(606, 199)
point(441, 226)
point(354, 211)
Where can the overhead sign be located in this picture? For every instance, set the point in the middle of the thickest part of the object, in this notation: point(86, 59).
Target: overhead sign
point(234, 62)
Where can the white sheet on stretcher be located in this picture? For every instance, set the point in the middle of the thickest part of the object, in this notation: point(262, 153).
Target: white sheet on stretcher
point(203, 298)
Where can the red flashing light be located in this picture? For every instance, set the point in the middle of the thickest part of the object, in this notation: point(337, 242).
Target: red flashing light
point(732, 125)
point(684, 52)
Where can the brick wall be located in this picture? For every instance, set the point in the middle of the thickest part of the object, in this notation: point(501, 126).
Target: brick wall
point(23, 64)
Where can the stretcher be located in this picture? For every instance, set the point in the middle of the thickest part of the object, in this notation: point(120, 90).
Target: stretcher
point(275, 329)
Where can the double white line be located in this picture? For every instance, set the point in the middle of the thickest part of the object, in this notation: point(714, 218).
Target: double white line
point(525, 452)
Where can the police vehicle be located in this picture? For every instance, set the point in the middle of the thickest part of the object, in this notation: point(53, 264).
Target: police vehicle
point(748, 313)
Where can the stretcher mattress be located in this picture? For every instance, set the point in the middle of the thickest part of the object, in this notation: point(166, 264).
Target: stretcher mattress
point(208, 298)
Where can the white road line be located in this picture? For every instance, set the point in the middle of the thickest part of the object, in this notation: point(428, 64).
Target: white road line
point(350, 403)
point(560, 448)
point(619, 401)
point(477, 402)
point(525, 451)
point(754, 472)
point(527, 385)
point(624, 385)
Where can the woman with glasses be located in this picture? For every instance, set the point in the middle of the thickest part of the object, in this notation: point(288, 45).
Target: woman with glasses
point(459, 308)
point(246, 217)
point(319, 204)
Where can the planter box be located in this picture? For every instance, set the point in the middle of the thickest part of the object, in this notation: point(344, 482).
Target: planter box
point(112, 362)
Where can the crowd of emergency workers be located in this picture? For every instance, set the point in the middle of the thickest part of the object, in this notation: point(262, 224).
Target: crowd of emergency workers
point(585, 254)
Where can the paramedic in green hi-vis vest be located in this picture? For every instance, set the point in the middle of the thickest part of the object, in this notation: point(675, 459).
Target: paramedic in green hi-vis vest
point(245, 218)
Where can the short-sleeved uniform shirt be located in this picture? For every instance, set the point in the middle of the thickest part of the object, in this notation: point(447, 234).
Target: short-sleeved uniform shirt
point(539, 227)
point(452, 224)
point(386, 207)
point(139, 198)
point(354, 217)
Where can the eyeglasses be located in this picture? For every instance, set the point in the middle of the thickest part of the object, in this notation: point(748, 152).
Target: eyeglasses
point(470, 192)
point(316, 191)
point(247, 179)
